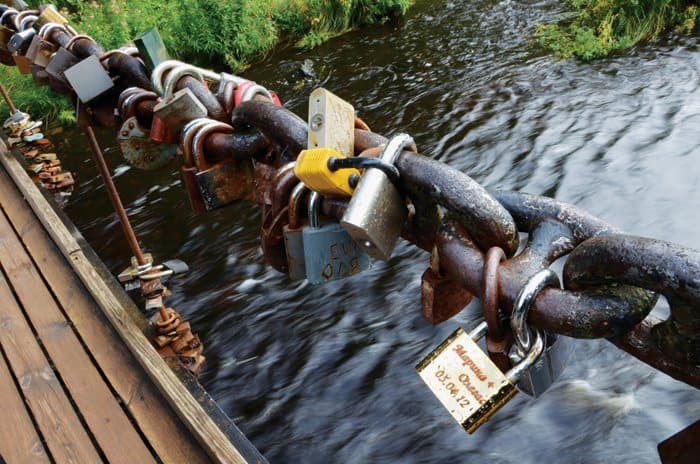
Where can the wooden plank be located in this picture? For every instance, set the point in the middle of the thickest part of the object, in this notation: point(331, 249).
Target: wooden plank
point(200, 424)
point(157, 421)
point(19, 441)
point(65, 437)
point(108, 423)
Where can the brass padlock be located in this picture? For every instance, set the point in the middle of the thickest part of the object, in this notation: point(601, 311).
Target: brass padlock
point(40, 51)
point(467, 383)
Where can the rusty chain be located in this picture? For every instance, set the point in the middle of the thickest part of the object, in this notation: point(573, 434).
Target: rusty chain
point(611, 280)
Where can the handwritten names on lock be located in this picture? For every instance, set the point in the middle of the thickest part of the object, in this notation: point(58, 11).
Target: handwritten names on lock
point(343, 260)
point(465, 380)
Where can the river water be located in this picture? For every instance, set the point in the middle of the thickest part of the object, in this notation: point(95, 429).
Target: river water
point(319, 374)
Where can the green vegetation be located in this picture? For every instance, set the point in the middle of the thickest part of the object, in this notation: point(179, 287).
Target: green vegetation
point(604, 26)
point(216, 33)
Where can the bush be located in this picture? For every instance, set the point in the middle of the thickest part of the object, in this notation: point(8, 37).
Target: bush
point(604, 26)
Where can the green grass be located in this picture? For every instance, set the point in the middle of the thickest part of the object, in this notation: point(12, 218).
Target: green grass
point(219, 33)
point(602, 27)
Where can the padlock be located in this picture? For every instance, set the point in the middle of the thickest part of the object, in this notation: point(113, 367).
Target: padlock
point(19, 43)
point(247, 90)
point(178, 109)
point(40, 51)
point(5, 35)
point(312, 169)
point(39, 75)
point(294, 234)
point(139, 150)
point(329, 252)
point(89, 79)
point(161, 133)
point(441, 296)
point(22, 63)
point(557, 350)
point(467, 383)
point(224, 182)
point(151, 48)
point(331, 122)
point(188, 171)
point(376, 212)
point(61, 60)
point(50, 15)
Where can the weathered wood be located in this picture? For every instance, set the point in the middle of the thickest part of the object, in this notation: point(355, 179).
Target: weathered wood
point(65, 437)
point(108, 423)
point(19, 441)
point(154, 417)
point(201, 425)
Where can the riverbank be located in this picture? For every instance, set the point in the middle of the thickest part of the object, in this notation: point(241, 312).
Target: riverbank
point(226, 34)
point(602, 27)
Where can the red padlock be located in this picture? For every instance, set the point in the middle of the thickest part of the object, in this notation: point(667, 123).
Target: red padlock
point(161, 133)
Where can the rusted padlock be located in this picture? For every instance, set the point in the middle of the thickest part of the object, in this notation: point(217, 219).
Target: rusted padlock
point(40, 51)
point(224, 182)
point(441, 296)
point(135, 141)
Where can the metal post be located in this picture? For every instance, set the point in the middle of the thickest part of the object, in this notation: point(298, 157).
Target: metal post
point(8, 100)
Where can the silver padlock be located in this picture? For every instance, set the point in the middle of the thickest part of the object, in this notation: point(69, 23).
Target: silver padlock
point(329, 251)
point(179, 108)
point(376, 212)
point(294, 234)
point(89, 79)
point(557, 350)
point(19, 43)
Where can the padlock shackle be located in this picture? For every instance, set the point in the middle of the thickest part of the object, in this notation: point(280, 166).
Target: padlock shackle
point(188, 132)
point(523, 302)
point(175, 75)
point(395, 146)
point(26, 20)
point(200, 136)
point(48, 28)
point(357, 162)
point(314, 207)
point(533, 355)
point(295, 202)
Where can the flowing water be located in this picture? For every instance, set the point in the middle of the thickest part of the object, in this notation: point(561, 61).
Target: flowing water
point(319, 374)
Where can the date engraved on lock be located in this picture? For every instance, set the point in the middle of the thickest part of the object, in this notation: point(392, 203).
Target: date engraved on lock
point(465, 380)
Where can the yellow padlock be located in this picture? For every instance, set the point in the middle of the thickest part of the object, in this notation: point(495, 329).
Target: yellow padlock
point(312, 169)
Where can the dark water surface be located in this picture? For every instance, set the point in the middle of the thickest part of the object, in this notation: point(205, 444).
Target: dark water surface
point(325, 374)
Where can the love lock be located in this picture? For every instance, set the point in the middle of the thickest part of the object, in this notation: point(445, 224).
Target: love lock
point(222, 183)
point(178, 108)
point(139, 150)
point(329, 252)
point(376, 212)
point(40, 51)
point(441, 297)
point(151, 48)
point(89, 79)
point(60, 62)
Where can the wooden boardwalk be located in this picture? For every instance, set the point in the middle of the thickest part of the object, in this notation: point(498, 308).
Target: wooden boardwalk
point(73, 387)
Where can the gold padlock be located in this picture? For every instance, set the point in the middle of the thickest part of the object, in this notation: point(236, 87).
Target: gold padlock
point(312, 169)
point(467, 382)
